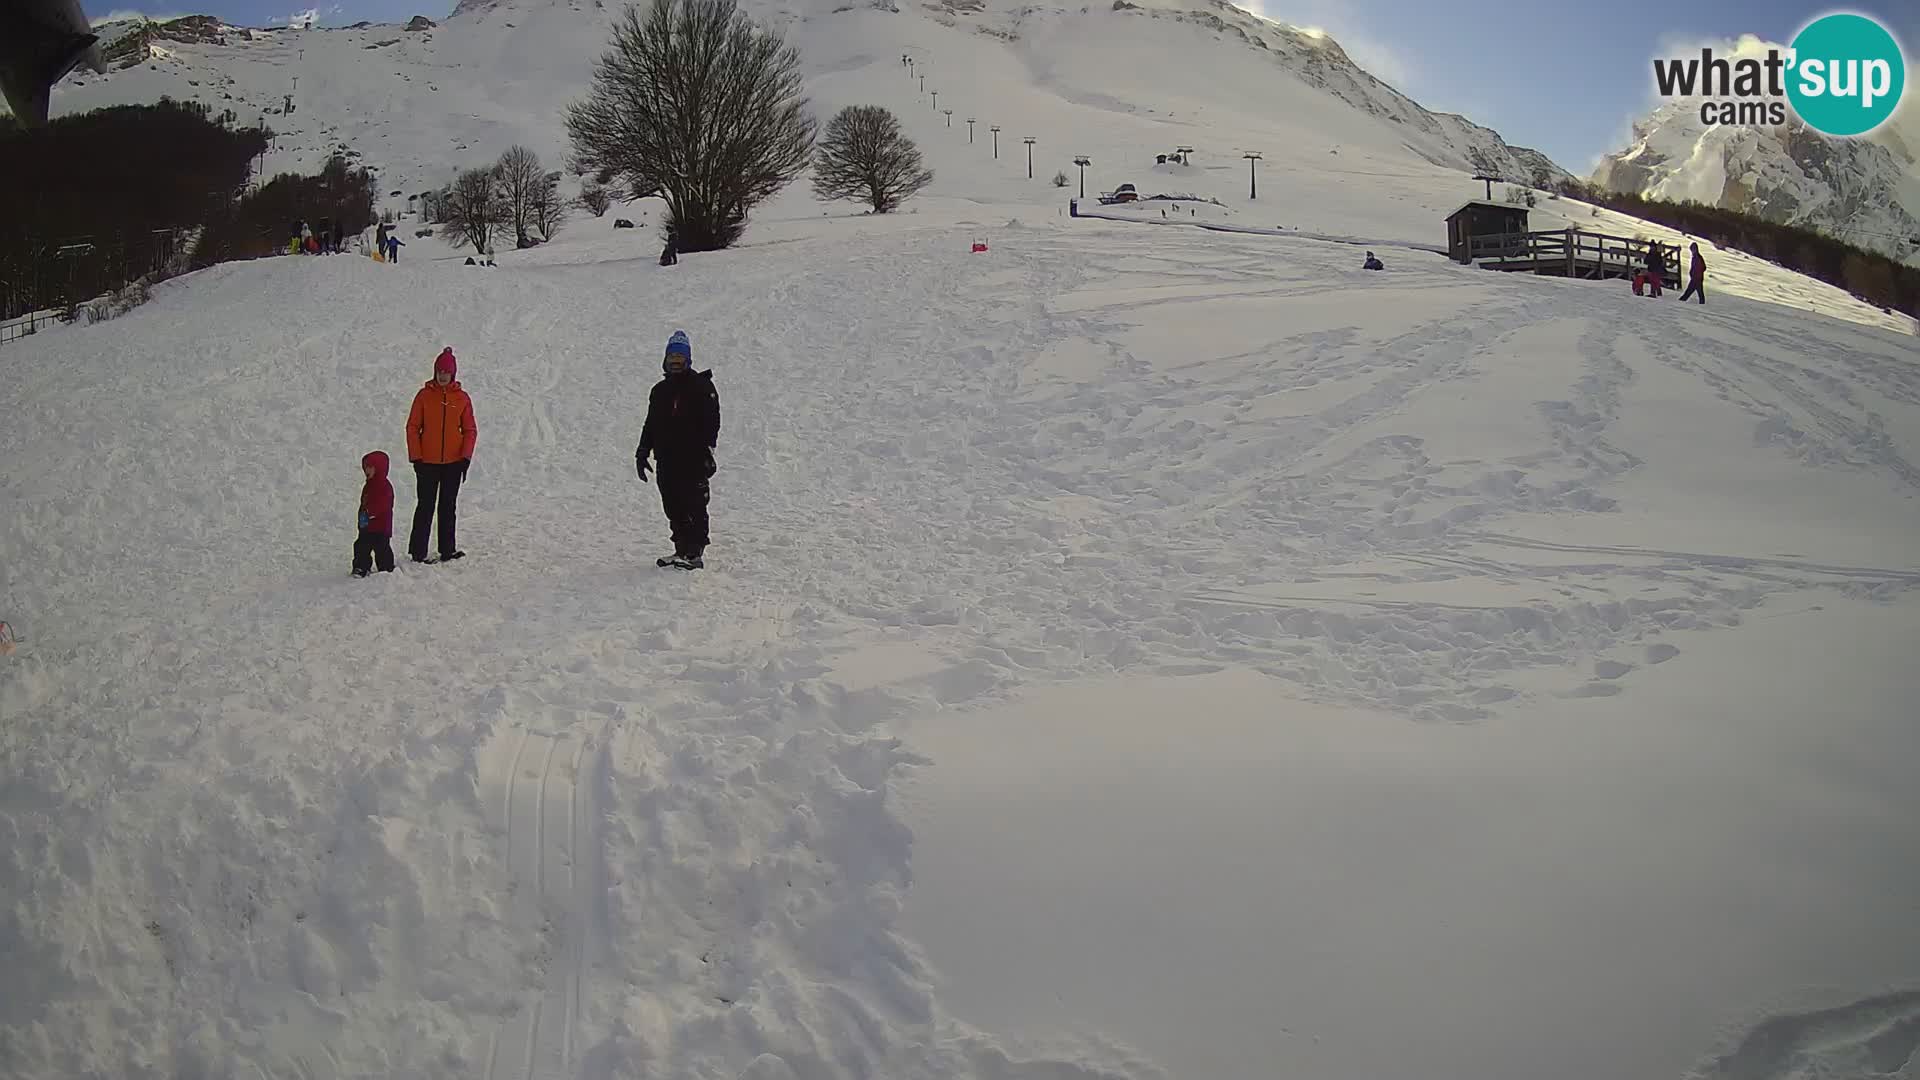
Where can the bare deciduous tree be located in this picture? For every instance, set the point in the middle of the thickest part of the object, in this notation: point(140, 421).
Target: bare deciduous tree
point(694, 101)
point(473, 209)
point(520, 179)
point(548, 209)
point(864, 156)
point(596, 199)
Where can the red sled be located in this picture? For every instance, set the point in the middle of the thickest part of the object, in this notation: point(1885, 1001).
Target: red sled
point(979, 246)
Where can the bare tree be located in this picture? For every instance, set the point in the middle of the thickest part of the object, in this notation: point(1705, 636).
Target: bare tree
point(696, 102)
point(473, 208)
point(596, 199)
point(864, 156)
point(520, 178)
point(548, 209)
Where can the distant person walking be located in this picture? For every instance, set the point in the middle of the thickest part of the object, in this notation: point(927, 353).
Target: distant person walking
point(1696, 276)
point(440, 438)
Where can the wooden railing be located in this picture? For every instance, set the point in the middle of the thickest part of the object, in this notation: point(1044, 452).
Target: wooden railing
point(22, 326)
point(1573, 252)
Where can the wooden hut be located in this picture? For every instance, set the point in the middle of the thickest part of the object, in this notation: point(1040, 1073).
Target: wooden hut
point(1482, 218)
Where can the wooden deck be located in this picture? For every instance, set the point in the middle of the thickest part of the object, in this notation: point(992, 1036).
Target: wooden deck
point(1571, 253)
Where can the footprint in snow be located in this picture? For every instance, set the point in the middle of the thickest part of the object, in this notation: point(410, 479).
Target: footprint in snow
point(1595, 689)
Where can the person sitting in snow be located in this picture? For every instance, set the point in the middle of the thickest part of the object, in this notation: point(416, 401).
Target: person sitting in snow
point(670, 254)
point(1372, 263)
point(440, 438)
point(682, 428)
point(375, 541)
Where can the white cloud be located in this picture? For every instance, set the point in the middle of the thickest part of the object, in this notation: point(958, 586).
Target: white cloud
point(1679, 47)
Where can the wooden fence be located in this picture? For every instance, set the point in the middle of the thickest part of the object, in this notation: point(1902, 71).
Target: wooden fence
point(1570, 253)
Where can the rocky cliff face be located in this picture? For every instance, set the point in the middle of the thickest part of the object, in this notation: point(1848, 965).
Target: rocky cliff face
point(1865, 191)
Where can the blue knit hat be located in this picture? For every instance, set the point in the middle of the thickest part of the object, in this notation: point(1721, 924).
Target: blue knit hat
point(678, 343)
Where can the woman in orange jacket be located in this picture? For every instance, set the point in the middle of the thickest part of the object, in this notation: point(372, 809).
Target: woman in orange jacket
point(440, 438)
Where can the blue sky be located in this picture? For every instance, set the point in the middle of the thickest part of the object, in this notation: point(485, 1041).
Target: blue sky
point(1565, 77)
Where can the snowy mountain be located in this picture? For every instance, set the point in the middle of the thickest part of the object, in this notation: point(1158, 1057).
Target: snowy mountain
point(1138, 649)
point(416, 104)
point(1865, 191)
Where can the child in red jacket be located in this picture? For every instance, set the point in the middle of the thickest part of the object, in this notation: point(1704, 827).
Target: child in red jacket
point(376, 517)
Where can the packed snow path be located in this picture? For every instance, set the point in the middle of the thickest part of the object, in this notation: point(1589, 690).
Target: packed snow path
point(551, 811)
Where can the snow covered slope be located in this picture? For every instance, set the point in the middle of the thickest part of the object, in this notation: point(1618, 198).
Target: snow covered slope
point(1342, 155)
point(1864, 191)
point(553, 812)
point(418, 103)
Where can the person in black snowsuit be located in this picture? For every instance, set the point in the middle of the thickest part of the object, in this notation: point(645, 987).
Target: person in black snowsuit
point(682, 428)
point(1656, 269)
point(1372, 263)
point(670, 255)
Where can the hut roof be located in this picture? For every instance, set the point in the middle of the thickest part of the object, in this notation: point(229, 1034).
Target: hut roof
point(1511, 207)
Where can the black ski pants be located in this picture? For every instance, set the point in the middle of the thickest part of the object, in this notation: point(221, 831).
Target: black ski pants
point(439, 490)
point(369, 547)
point(684, 491)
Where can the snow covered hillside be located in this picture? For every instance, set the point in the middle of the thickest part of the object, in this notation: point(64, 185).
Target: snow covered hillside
point(1864, 191)
point(550, 811)
point(498, 72)
point(1136, 651)
point(1344, 156)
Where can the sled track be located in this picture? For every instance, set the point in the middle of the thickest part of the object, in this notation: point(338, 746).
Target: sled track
point(545, 802)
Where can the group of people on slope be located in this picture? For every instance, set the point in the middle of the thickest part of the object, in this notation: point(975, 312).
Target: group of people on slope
point(680, 432)
point(1650, 280)
point(305, 239)
point(386, 245)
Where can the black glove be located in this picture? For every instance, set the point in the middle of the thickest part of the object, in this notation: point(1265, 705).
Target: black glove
point(711, 466)
point(465, 464)
point(640, 465)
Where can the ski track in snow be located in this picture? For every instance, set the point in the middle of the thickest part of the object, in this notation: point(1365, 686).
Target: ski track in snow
point(545, 795)
point(554, 812)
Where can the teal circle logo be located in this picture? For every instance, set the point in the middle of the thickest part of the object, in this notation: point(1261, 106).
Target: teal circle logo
point(1846, 74)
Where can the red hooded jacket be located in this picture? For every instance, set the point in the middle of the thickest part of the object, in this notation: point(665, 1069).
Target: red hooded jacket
point(376, 499)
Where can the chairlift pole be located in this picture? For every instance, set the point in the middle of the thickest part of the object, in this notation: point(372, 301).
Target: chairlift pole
point(1083, 162)
point(969, 131)
point(996, 141)
point(1253, 185)
point(1029, 141)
